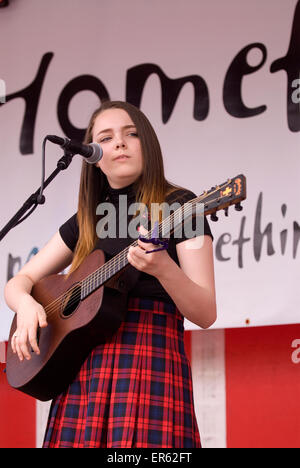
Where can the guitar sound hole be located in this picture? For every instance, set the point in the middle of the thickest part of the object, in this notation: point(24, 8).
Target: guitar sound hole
point(71, 301)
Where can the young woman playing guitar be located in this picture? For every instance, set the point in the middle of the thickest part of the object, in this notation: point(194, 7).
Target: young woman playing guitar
point(134, 390)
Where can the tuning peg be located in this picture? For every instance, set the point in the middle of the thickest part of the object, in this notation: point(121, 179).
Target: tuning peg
point(226, 211)
point(214, 217)
point(238, 207)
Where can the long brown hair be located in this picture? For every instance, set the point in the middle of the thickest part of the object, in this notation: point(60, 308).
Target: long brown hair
point(150, 187)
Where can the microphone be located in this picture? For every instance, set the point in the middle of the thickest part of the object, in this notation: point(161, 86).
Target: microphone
point(92, 153)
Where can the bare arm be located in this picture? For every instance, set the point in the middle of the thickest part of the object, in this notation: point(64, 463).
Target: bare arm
point(52, 258)
point(192, 285)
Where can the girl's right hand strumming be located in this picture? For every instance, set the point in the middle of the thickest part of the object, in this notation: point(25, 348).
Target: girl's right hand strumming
point(30, 316)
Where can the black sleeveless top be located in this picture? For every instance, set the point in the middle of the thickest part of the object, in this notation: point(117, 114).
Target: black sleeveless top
point(137, 284)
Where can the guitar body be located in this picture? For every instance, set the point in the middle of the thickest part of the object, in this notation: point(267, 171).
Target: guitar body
point(74, 328)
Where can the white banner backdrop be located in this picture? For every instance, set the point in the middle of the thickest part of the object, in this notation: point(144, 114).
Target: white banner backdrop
point(220, 83)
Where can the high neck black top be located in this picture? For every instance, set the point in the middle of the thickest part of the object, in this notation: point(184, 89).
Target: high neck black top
point(146, 285)
point(114, 193)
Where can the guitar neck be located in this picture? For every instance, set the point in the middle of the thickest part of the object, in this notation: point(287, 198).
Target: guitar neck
point(231, 192)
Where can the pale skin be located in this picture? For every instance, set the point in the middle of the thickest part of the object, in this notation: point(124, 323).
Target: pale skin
point(191, 285)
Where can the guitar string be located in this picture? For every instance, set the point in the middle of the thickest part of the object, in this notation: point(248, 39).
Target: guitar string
point(97, 274)
point(165, 222)
point(123, 255)
point(88, 281)
point(109, 266)
point(51, 308)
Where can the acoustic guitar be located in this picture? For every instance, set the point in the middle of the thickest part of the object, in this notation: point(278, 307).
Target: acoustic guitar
point(86, 308)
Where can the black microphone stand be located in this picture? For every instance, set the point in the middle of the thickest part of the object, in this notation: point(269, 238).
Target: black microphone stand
point(37, 198)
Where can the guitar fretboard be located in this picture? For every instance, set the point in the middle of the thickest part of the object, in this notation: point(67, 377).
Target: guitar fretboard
point(231, 192)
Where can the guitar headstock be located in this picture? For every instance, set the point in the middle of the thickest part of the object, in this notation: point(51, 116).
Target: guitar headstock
point(221, 197)
point(232, 192)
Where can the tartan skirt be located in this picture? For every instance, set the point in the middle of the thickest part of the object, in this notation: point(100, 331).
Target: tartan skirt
point(133, 391)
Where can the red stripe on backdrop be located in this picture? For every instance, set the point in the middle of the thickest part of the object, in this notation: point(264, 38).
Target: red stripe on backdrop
point(17, 416)
point(262, 387)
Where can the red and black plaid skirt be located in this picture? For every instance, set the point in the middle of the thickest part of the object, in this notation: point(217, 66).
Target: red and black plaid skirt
point(133, 391)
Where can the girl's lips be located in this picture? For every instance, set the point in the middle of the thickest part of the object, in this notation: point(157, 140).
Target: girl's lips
point(122, 157)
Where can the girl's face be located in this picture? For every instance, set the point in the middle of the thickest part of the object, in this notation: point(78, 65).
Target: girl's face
point(122, 160)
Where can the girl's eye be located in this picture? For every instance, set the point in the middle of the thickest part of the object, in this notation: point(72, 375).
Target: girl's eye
point(107, 138)
point(104, 139)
